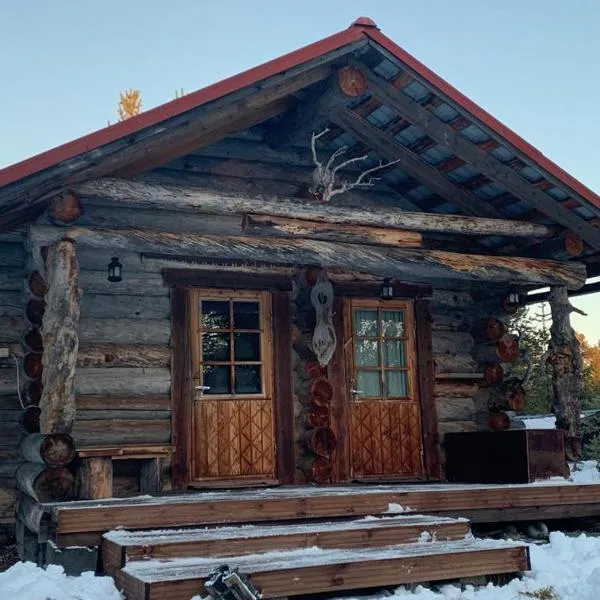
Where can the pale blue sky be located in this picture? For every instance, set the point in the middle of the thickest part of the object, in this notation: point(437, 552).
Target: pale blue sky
point(531, 63)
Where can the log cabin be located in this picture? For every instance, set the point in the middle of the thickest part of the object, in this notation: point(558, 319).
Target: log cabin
point(298, 275)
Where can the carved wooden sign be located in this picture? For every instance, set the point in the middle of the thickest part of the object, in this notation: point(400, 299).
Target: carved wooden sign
point(324, 339)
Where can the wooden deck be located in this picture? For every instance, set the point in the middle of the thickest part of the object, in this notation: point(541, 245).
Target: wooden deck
point(84, 522)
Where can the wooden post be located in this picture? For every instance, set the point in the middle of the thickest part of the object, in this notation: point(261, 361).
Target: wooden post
point(565, 365)
point(60, 322)
point(95, 478)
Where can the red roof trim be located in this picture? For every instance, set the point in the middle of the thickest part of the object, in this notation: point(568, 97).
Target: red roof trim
point(486, 118)
point(176, 107)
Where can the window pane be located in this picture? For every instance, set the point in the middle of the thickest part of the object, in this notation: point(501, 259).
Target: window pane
point(367, 353)
point(217, 379)
point(365, 322)
point(392, 323)
point(246, 315)
point(394, 353)
point(248, 379)
point(396, 384)
point(215, 314)
point(368, 383)
point(247, 346)
point(215, 346)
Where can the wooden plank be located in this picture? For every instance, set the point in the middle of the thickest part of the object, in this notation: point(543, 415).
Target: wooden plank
point(358, 569)
point(181, 393)
point(284, 401)
point(412, 164)
point(123, 355)
point(108, 432)
point(208, 200)
point(122, 381)
point(130, 403)
point(398, 262)
point(425, 374)
point(478, 158)
point(124, 415)
point(120, 548)
point(125, 331)
point(118, 452)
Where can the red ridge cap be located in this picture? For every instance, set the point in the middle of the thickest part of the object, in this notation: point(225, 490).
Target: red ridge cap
point(178, 106)
point(364, 22)
point(482, 115)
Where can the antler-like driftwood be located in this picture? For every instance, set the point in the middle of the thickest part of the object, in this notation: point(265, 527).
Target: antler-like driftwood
point(325, 183)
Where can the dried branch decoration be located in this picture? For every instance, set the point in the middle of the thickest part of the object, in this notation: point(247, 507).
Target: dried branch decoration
point(130, 104)
point(325, 182)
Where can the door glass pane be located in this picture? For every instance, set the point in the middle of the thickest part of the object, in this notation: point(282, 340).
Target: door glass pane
point(215, 346)
point(365, 323)
point(392, 323)
point(396, 384)
point(217, 379)
point(246, 315)
point(367, 353)
point(394, 353)
point(247, 346)
point(215, 314)
point(248, 379)
point(368, 383)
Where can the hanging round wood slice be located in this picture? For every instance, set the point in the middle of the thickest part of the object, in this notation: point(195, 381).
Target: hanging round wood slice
point(65, 208)
point(493, 374)
point(499, 421)
point(494, 329)
point(313, 369)
point(573, 243)
point(35, 311)
point(33, 340)
point(321, 392)
point(507, 347)
point(351, 82)
point(515, 397)
point(315, 469)
point(318, 416)
point(32, 366)
point(320, 441)
point(37, 285)
point(30, 419)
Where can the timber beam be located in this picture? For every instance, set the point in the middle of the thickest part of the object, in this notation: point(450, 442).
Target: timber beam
point(477, 157)
point(206, 200)
point(386, 262)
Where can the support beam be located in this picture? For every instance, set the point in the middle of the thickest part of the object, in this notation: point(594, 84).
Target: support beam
point(270, 226)
point(411, 163)
point(477, 157)
point(206, 200)
point(565, 365)
point(60, 322)
point(386, 262)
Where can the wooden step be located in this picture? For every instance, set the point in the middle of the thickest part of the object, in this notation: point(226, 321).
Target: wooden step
point(314, 570)
point(121, 547)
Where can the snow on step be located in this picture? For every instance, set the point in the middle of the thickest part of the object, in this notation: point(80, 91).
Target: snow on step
point(314, 570)
point(121, 547)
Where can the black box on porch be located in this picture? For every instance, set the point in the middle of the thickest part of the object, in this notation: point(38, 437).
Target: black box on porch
point(513, 456)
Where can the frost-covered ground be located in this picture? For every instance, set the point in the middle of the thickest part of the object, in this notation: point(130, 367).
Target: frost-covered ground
point(569, 566)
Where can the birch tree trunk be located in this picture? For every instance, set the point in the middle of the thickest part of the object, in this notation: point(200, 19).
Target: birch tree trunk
point(565, 365)
point(61, 342)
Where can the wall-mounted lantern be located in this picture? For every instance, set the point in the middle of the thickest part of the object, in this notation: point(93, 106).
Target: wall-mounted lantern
point(512, 302)
point(114, 270)
point(387, 289)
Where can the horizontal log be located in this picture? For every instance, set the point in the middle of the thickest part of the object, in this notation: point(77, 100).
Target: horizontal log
point(445, 299)
point(125, 331)
point(123, 355)
point(451, 341)
point(53, 450)
point(8, 381)
point(10, 436)
point(315, 469)
point(12, 254)
point(32, 514)
point(271, 226)
point(106, 414)
point(455, 389)
point(137, 193)
point(455, 409)
point(456, 426)
point(127, 403)
point(11, 278)
point(456, 320)
point(122, 381)
point(11, 303)
point(12, 328)
point(8, 469)
point(45, 484)
point(134, 284)
point(100, 306)
point(122, 432)
point(320, 441)
point(92, 260)
point(395, 262)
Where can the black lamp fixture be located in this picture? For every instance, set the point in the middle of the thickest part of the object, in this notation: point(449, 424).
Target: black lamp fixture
point(114, 270)
point(387, 289)
point(513, 301)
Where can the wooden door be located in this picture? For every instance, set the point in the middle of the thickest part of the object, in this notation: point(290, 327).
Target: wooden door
point(233, 413)
point(385, 417)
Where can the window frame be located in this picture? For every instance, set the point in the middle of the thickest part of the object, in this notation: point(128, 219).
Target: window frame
point(266, 341)
point(409, 327)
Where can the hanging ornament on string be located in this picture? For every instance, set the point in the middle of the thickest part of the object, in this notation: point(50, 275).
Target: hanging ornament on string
point(324, 339)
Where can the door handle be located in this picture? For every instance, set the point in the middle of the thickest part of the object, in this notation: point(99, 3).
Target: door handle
point(204, 388)
point(356, 392)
